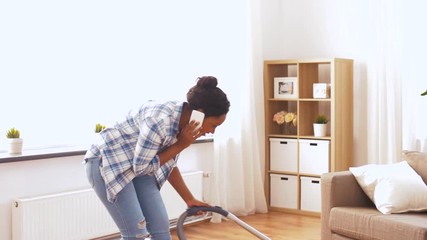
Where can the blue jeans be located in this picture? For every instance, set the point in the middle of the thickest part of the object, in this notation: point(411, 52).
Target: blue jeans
point(138, 211)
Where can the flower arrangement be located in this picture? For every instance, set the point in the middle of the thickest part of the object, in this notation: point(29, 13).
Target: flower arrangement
point(287, 121)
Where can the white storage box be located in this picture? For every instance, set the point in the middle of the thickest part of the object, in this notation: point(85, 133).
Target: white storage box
point(283, 191)
point(314, 156)
point(310, 194)
point(283, 154)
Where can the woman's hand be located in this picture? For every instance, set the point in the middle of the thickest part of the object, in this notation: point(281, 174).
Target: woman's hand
point(189, 134)
point(196, 203)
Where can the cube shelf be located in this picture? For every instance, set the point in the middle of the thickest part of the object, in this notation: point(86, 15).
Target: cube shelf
point(288, 86)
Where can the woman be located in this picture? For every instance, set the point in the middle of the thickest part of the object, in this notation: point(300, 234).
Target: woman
point(128, 166)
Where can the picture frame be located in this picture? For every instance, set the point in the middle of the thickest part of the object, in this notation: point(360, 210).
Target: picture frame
point(320, 90)
point(285, 87)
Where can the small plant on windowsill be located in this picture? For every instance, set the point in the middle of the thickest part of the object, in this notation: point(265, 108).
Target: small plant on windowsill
point(99, 127)
point(319, 126)
point(15, 141)
point(13, 133)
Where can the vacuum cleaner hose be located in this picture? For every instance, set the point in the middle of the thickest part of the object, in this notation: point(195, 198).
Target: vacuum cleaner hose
point(193, 211)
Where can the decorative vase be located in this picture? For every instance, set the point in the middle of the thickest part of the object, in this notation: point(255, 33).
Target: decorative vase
point(319, 129)
point(15, 145)
point(288, 129)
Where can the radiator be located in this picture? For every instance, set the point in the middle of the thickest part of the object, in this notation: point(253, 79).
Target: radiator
point(79, 215)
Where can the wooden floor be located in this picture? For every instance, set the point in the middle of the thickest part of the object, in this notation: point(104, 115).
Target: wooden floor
point(276, 225)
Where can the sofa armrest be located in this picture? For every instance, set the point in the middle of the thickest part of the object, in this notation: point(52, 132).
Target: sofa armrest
point(339, 189)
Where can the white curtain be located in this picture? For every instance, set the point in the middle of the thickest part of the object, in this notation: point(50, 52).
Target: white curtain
point(414, 80)
point(384, 83)
point(238, 169)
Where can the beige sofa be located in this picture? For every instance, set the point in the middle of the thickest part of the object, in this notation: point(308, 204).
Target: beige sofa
point(348, 213)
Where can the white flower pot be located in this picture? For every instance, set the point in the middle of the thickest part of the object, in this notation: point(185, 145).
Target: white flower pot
point(15, 145)
point(319, 129)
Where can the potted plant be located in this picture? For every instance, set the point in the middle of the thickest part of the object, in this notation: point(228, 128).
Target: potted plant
point(15, 141)
point(424, 93)
point(99, 127)
point(320, 125)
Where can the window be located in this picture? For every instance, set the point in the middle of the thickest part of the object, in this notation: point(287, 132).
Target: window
point(67, 65)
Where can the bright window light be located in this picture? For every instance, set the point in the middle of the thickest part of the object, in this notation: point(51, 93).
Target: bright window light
point(67, 65)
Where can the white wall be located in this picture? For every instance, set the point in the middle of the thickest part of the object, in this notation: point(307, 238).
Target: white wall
point(54, 175)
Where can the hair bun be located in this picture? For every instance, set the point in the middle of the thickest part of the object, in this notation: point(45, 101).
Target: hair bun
point(207, 82)
point(207, 96)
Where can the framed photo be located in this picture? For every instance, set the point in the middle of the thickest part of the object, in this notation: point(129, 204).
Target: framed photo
point(285, 87)
point(320, 90)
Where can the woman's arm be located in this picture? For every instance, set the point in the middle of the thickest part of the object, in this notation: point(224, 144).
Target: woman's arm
point(177, 182)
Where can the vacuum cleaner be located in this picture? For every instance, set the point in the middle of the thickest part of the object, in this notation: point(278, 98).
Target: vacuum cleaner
point(193, 211)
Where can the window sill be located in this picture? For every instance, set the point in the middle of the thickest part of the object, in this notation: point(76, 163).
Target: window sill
point(56, 152)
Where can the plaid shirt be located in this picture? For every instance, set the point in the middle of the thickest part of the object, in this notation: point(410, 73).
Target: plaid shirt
point(131, 147)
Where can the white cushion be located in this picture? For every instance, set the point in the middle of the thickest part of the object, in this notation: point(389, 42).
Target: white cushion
point(394, 188)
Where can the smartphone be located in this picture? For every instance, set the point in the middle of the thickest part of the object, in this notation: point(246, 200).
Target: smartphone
point(197, 116)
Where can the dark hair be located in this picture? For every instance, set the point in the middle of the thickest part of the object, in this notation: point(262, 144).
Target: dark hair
point(207, 96)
